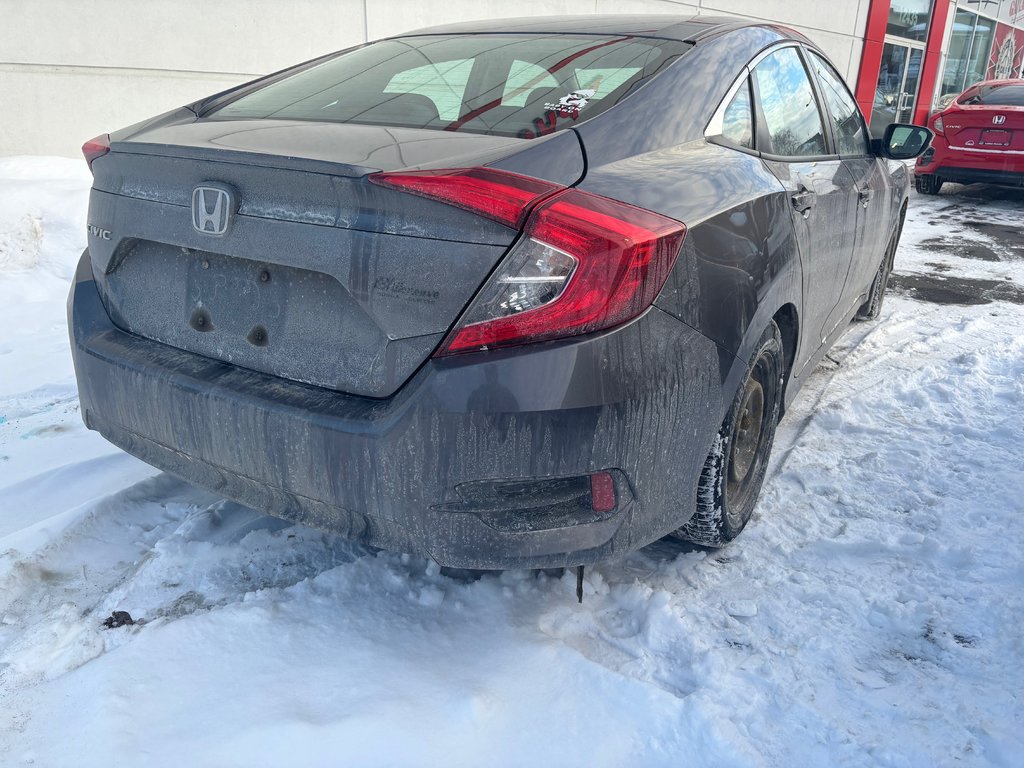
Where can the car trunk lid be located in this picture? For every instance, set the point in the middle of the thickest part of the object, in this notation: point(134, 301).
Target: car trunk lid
point(321, 275)
point(988, 128)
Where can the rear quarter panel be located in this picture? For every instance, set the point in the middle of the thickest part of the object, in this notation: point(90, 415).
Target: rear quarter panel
point(739, 262)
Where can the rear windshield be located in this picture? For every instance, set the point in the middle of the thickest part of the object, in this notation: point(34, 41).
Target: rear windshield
point(504, 85)
point(994, 95)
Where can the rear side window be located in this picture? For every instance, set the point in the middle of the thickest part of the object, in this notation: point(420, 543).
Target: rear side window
point(993, 96)
point(737, 120)
point(505, 85)
point(791, 116)
point(850, 131)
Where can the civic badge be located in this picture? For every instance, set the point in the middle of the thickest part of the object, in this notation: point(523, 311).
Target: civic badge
point(213, 209)
point(999, 119)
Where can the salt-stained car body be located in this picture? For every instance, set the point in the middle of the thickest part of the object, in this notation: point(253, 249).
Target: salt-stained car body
point(519, 293)
point(979, 137)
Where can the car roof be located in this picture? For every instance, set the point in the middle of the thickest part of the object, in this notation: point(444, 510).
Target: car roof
point(670, 27)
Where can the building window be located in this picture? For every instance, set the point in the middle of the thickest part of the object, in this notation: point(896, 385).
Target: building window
point(968, 53)
point(909, 19)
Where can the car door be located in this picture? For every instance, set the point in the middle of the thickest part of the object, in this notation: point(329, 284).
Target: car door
point(796, 146)
point(870, 177)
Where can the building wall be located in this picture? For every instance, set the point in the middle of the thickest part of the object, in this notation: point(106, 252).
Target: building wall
point(70, 70)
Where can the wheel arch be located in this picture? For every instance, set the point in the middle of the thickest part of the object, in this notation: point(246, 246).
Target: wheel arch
point(785, 313)
point(897, 229)
point(901, 217)
point(788, 321)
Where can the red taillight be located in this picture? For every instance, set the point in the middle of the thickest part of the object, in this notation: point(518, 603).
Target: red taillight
point(95, 148)
point(937, 125)
point(502, 196)
point(585, 263)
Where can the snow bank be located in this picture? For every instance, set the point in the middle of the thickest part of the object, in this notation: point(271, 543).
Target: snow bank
point(42, 214)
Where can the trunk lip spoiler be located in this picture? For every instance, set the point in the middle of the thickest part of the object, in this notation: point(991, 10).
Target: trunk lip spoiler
point(242, 157)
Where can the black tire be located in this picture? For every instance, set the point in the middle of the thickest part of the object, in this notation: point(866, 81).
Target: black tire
point(725, 500)
point(928, 183)
point(872, 308)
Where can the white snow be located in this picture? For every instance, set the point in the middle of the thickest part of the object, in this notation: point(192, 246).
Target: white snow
point(870, 615)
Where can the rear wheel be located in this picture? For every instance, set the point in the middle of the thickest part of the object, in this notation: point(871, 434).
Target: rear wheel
point(928, 183)
point(734, 470)
point(872, 308)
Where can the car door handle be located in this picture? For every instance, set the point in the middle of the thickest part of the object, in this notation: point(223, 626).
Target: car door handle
point(864, 196)
point(803, 201)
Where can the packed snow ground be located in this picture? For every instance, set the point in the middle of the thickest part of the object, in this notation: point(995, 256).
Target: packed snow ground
point(870, 615)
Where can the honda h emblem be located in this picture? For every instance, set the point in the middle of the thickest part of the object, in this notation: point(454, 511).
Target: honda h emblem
point(212, 208)
point(999, 119)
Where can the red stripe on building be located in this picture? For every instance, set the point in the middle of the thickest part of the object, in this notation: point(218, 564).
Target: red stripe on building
point(932, 57)
point(871, 56)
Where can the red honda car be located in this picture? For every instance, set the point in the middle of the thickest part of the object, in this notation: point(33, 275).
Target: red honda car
point(978, 137)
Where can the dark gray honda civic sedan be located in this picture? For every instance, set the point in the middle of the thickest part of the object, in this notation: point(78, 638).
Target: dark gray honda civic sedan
point(525, 293)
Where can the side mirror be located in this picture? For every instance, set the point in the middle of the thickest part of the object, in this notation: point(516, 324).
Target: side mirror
point(902, 141)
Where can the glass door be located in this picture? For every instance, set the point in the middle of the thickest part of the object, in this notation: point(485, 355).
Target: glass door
point(896, 90)
point(908, 95)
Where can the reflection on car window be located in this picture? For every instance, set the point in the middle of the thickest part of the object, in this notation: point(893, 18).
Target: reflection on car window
point(604, 81)
point(737, 120)
point(851, 135)
point(790, 110)
point(523, 78)
point(443, 83)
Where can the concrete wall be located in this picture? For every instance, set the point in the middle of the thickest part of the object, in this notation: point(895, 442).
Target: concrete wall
point(71, 69)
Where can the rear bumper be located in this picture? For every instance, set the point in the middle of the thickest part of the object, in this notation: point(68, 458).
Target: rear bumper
point(969, 165)
point(642, 402)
